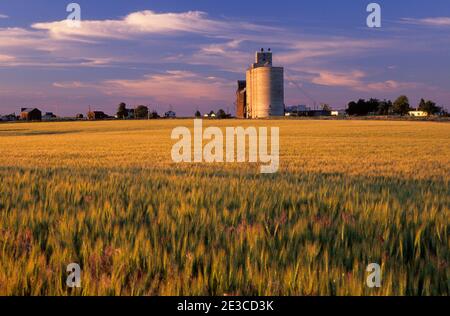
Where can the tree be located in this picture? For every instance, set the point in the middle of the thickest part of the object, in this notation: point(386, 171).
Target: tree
point(198, 114)
point(401, 105)
point(357, 108)
point(122, 111)
point(372, 106)
point(326, 107)
point(154, 115)
point(422, 105)
point(384, 107)
point(351, 108)
point(429, 107)
point(141, 111)
point(221, 114)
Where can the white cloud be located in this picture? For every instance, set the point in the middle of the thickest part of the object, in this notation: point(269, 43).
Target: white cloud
point(357, 80)
point(3, 16)
point(335, 46)
point(19, 37)
point(433, 21)
point(144, 22)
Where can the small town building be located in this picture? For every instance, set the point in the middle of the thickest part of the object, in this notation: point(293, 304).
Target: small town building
point(241, 99)
point(30, 114)
point(418, 113)
point(8, 117)
point(297, 110)
point(48, 116)
point(96, 115)
point(170, 114)
point(337, 113)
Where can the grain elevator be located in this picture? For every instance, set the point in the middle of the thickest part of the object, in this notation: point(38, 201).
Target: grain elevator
point(263, 89)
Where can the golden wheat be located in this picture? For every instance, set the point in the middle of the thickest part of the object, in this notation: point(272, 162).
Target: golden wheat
point(106, 195)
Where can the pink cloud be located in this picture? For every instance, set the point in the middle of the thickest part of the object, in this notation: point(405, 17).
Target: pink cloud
point(356, 80)
point(172, 85)
point(389, 85)
point(71, 85)
point(435, 21)
point(6, 58)
point(335, 46)
point(327, 78)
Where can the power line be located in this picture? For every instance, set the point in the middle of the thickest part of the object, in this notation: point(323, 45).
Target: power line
point(302, 90)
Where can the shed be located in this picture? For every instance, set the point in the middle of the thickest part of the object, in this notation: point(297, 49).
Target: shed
point(31, 114)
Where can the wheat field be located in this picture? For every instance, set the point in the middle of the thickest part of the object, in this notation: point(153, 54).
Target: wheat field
point(106, 195)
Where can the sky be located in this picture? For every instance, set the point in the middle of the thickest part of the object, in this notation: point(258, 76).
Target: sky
point(187, 55)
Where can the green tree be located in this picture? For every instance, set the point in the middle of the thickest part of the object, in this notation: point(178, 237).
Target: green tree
point(141, 111)
point(429, 107)
point(154, 115)
point(122, 111)
point(401, 105)
point(422, 105)
point(221, 114)
point(384, 107)
point(326, 107)
point(198, 114)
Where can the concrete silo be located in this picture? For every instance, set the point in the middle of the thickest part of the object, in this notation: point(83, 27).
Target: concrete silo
point(265, 88)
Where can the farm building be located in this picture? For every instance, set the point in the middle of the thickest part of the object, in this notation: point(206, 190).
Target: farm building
point(418, 113)
point(241, 99)
point(303, 110)
point(96, 115)
point(48, 116)
point(30, 114)
point(337, 113)
point(170, 114)
point(9, 117)
point(296, 110)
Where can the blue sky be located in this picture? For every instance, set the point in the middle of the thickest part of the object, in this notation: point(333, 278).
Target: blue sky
point(187, 55)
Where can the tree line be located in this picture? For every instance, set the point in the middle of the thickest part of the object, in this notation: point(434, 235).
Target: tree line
point(140, 112)
point(221, 114)
point(400, 106)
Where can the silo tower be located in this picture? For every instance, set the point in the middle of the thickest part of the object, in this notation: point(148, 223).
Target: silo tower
point(265, 87)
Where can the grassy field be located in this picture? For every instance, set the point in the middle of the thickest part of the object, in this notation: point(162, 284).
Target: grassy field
point(107, 196)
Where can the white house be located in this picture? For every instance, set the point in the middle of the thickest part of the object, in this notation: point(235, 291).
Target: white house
point(337, 113)
point(418, 113)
